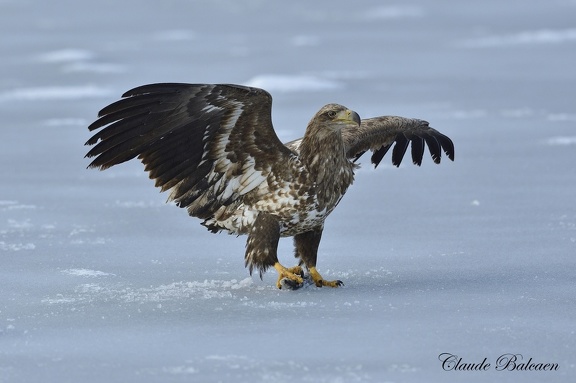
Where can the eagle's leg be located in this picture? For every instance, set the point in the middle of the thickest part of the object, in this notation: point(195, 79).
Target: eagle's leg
point(262, 251)
point(306, 247)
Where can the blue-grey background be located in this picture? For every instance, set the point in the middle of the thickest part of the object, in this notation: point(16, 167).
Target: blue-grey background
point(100, 281)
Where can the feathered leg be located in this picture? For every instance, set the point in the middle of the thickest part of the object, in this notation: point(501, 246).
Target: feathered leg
point(262, 251)
point(306, 247)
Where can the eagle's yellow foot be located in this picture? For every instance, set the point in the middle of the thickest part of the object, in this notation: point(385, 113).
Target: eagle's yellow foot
point(290, 278)
point(319, 281)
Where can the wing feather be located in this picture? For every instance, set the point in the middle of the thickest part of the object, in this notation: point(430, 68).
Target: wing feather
point(399, 149)
point(417, 150)
point(208, 144)
point(380, 133)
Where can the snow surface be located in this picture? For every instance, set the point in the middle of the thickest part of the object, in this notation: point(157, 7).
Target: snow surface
point(102, 282)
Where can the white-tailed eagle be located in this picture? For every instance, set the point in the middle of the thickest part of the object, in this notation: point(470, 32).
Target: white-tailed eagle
point(214, 149)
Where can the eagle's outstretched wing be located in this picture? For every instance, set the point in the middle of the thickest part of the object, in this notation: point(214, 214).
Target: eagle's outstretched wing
point(208, 144)
point(378, 134)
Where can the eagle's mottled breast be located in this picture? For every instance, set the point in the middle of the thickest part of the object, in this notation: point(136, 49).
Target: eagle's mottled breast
point(308, 190)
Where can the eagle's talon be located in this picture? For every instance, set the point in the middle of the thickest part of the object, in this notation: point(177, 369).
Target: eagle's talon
point(296, 270)
point(288, 277)
point(320, 282)
point(289, 284)
point(336, 283)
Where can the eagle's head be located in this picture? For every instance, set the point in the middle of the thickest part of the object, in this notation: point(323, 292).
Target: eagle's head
point(335, 116)
point(323, 137)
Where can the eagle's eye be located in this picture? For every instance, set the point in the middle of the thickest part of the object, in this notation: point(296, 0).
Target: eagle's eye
point(331, 114)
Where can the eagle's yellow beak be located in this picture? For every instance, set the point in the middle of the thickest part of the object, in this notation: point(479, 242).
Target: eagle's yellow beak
point(348, 116)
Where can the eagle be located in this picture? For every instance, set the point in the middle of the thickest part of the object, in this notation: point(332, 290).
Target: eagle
point(214, 149)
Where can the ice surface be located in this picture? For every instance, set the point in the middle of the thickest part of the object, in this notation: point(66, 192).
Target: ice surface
point(544, 36)
point(292, 83)
point(102, 282)
point(54, 93)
